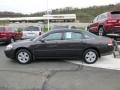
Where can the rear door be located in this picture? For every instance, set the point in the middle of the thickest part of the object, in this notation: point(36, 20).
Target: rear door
point(71, 45)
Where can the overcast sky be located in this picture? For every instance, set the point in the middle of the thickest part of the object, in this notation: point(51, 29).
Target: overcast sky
point(32, 6)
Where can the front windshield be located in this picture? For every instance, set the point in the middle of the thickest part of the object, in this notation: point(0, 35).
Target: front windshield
point(39, 37)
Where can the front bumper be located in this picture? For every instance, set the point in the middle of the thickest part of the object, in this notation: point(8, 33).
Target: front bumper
point(10, 53)
point(4, 39)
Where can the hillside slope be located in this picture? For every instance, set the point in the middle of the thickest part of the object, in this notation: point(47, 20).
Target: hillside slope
point(83, 15)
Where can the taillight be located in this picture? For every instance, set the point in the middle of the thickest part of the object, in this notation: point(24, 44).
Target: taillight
point(110, 42)
point(39, 33)
point(112, 21)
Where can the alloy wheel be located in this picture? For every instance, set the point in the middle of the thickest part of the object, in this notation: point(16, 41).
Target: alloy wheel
point(23, 56)
point(90, 56)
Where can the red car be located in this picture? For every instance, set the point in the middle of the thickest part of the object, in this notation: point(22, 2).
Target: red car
point(105, 23)
point(8, 35)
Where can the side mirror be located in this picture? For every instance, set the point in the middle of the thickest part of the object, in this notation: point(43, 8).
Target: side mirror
point(42, 40)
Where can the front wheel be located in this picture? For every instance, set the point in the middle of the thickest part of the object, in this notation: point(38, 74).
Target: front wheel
point(23, 56)
point(12, 40)
point(101, 31)
point(90, 56)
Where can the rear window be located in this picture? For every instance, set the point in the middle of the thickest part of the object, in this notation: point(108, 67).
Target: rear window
point(31, 29)
point(115, 14)
point(89, 35)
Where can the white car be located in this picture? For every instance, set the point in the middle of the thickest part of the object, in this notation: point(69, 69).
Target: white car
point(31, 32)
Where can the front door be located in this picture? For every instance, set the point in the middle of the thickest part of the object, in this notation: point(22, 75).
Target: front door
point(49, 47)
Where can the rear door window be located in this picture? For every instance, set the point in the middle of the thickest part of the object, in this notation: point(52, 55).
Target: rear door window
point(102, 16)
point(73, 36)
point(88, 35)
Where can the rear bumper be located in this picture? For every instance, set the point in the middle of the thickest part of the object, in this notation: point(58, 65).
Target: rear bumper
point(107, 51)
point(112, 29)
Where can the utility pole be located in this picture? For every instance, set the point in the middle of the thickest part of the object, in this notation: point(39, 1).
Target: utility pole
point(48, 21)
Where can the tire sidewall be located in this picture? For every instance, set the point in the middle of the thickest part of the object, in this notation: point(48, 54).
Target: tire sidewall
point(24, 50)
point(86, 51)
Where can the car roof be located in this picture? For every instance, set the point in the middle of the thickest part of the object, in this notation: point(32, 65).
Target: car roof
point(114, 11)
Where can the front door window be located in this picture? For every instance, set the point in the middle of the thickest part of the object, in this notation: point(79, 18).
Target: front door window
point(53, 36)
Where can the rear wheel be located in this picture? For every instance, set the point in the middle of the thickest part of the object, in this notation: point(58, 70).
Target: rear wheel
point(90, 56)
point(23, 56)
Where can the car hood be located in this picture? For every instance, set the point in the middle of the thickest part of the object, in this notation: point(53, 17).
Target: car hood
point(23, 43)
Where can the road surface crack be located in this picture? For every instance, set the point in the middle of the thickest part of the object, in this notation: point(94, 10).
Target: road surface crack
point(53, 72)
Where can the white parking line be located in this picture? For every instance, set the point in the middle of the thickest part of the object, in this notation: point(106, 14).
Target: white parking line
point(106, 62)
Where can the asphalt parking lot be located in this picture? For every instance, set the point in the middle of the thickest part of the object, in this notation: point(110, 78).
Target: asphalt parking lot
point(55, 75)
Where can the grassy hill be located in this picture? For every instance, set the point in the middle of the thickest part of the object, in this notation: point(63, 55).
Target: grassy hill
point(83, 14)
point(87, 14)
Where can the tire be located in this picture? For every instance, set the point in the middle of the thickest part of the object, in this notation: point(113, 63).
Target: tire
point(90, 56)
point(23, 56)
point(101, 31)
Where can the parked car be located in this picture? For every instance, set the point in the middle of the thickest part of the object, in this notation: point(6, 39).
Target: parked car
point(108, 22)
point(31, 32)
point(9, 35)
point(62, 44)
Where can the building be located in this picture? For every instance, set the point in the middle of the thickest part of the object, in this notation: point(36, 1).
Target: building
point(44, 18)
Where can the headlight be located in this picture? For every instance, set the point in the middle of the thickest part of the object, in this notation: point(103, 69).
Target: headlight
point(9, 47)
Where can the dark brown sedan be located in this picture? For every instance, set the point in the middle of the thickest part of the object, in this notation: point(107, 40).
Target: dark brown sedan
point(62, 44)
